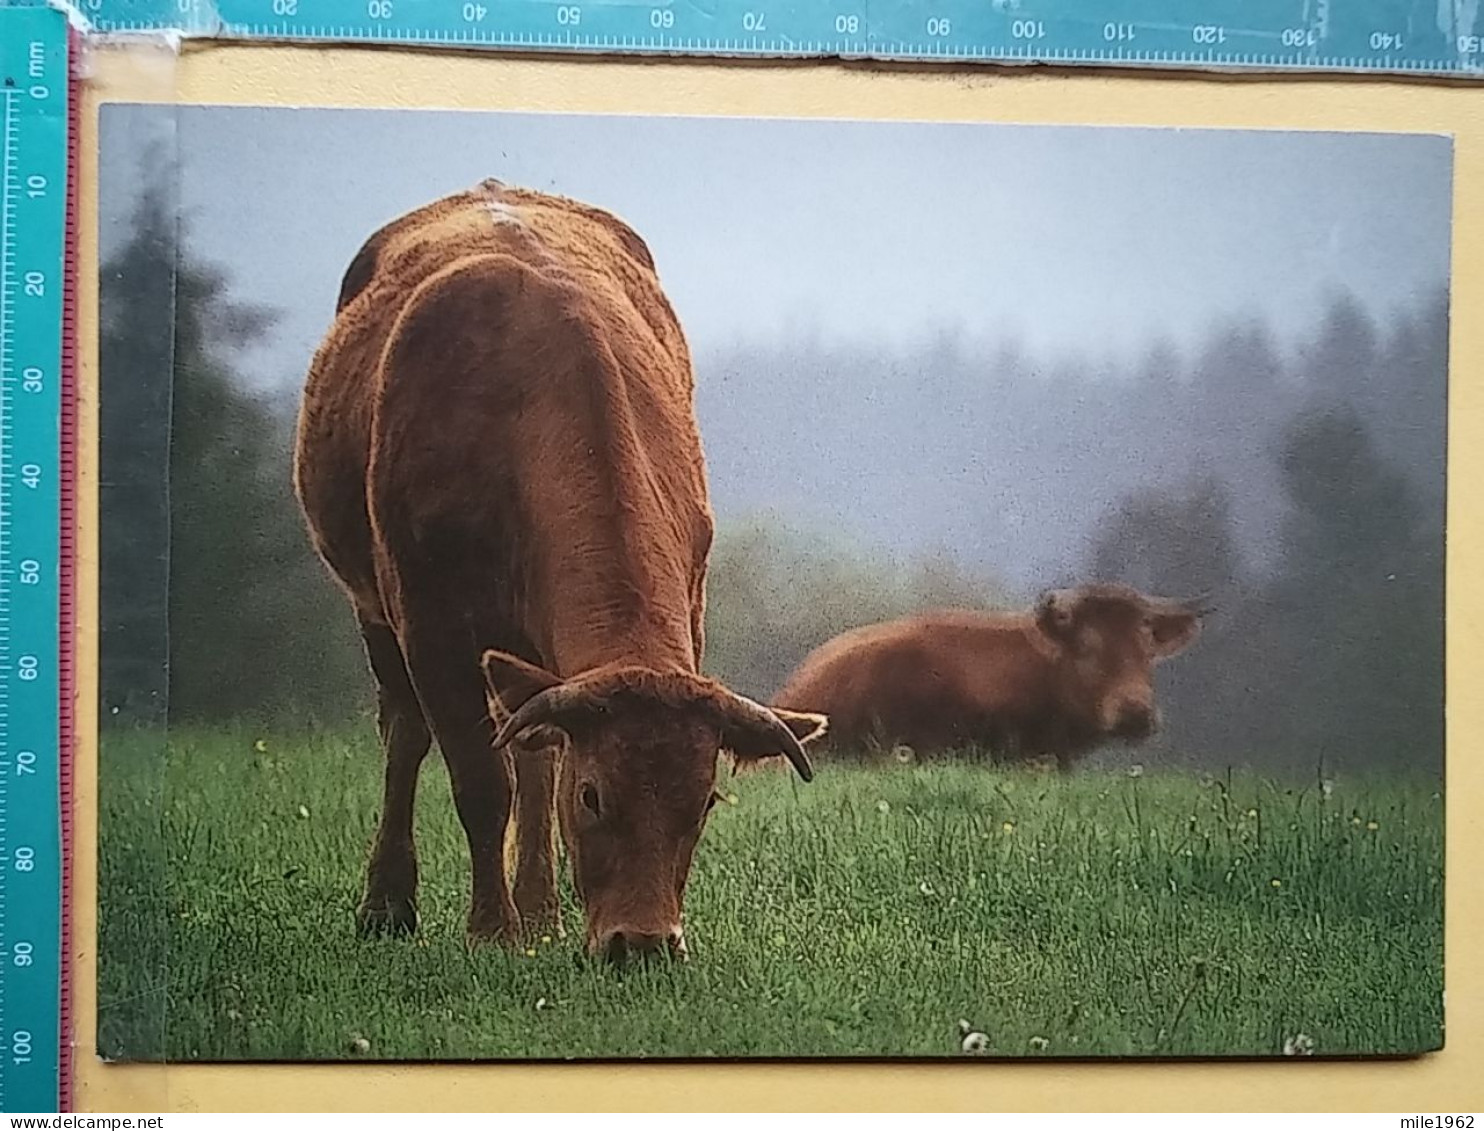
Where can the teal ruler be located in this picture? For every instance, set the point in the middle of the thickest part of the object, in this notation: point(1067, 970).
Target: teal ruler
point(1415, 37)
point(34, 498)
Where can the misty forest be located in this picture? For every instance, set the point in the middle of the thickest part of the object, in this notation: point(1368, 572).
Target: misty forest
point(1299, 482)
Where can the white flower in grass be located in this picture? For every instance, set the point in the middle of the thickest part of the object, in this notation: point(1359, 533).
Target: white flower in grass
point(973, 1040)
point(883, 806)
point(1327, 787)
point(1039, 1044)
point(360, 1046)
point(1136, 770)
point(1300, 1044)
point(926, 889)
point(903, 754)
point(303, 811)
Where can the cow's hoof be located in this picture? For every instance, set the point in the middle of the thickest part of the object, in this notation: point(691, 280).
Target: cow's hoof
point(543, 920)
point(543, 930)
point(382, 917)
point(477, 938)
point(487, 927)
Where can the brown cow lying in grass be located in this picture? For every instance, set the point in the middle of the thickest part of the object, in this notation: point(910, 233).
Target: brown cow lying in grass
point(1050, 683)
point(499, 462)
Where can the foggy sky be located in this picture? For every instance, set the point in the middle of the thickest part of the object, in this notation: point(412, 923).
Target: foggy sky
point(1070, 239)
point(1072, 242)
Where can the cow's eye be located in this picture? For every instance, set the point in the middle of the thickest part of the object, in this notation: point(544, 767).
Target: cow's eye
point(589, 795)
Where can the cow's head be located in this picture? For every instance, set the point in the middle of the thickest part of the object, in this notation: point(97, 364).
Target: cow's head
point(638, 752)
point(1107, 639)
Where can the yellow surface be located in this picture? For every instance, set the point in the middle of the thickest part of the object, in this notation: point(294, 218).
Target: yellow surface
point(1450, 1081)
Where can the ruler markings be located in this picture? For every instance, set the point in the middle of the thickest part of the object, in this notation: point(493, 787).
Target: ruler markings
point(33, 188)
point(1406, 37)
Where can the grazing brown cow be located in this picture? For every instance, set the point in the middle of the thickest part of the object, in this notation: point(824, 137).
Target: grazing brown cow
point(498, 459)
point(1049, 683)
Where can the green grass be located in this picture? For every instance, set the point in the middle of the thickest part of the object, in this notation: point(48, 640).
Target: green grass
point(865, 914)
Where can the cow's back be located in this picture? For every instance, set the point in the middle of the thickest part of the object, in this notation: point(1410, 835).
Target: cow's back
point(934, 680)
point(839, 679)
point(877, 684)
point(559, 245)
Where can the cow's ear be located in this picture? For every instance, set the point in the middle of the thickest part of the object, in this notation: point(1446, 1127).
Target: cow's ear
point(1173, 633)
point(752, 732)
point(509, 681)
point(750, 744)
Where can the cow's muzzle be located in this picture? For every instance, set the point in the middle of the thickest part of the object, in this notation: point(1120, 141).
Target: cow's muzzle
point(623, 946)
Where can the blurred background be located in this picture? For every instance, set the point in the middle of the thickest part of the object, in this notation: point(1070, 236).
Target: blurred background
point(936, 365)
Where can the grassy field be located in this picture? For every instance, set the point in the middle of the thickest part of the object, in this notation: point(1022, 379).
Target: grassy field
point(866, 914)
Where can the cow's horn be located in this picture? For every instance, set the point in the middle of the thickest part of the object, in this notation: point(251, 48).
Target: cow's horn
point(758, 719)
point(542, 708)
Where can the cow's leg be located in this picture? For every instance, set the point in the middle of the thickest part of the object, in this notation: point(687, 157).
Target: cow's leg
point(450, 687)
point(530, 838)
point(535, 849)
point(390, 902)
